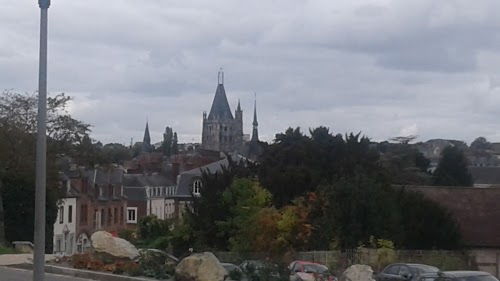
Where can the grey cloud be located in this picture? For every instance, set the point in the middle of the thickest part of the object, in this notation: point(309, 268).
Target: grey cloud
point(380, 68)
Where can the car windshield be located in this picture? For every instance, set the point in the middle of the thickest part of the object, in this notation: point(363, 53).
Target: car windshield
point(230, 267)
point(315, 268)
point(425, 268)
point(478, 278)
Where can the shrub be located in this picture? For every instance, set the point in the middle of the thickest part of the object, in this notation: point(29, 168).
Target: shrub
point(7, 250)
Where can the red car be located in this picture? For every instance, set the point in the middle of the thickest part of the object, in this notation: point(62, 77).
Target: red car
point(309, 271)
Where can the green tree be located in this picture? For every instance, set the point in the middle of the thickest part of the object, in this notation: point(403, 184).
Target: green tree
point(452, 168)
point(481, 143)
point(296, 164)
point(167, 141)
point(405, 164)
point(18, 116)
point(438, 230)
point(203, 225)
point(244, 198)
point(175, 145)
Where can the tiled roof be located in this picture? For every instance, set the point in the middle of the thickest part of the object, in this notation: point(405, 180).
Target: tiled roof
point(187, 178)
point(220, 107)
point(477, 210)
point(143, 180)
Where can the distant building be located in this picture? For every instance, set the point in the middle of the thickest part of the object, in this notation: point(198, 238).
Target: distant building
point(221, 131)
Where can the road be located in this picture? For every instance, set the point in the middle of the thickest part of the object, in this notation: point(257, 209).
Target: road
point(10, 274)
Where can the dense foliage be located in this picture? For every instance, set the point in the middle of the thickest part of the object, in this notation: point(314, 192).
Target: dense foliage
point(18, 114)
point(317, 192)
point(452, 168)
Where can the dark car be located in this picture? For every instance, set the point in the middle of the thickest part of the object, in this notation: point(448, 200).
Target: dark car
point(458, 276)
point(405, 272)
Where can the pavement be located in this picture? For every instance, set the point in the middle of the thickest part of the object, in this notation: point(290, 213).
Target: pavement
point(20, 259)
point(18, 267)
point(11, 274)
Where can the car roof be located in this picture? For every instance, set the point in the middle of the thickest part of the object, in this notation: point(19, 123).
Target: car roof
point(464, 273)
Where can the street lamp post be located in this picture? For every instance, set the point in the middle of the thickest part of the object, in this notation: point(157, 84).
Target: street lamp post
point(41, 150)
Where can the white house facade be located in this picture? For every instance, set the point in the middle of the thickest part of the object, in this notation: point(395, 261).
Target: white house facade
point(65, 228)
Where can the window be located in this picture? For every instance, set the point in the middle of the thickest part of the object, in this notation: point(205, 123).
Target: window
point(103, 217)
point(58, 244)
point(131, 214)
point(110, 216)
point(197, 187)
point(393, 270)
point(70, 214)
point(61, 214)
point(121, 215)
point(116, 216)
point(110, 190)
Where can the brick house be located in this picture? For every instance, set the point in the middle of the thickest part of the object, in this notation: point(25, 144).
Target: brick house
point(94, 200)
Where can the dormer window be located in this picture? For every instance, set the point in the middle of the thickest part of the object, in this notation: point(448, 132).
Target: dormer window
point(197, 187)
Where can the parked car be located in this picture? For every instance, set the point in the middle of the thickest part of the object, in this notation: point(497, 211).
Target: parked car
point(405, 272)
point(309, 271)
point(458, 276)
point(233, 272)
point(259, 267)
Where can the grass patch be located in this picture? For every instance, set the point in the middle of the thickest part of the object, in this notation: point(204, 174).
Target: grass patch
point(7, 250)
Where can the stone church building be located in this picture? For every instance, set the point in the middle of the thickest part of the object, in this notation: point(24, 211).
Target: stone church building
point(221, 130)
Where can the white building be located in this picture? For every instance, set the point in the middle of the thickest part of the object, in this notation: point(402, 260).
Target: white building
point(65, 228)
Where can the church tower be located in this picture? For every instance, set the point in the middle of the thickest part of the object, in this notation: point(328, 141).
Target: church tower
point(221, 131)
point(146, 142)
point(255, 124)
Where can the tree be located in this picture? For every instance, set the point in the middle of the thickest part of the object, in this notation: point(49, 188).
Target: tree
point(405, 164)
point(438, 230)
point(480, 143)
point(244, 199)
point(296, 164)
point(452, 168)
point(175, 145)
point(205, 220)
point(18, 117)
point(167, 142)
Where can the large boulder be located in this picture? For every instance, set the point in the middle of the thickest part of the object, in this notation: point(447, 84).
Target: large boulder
point(200, 267)
point(358, 272)
point(104, 242)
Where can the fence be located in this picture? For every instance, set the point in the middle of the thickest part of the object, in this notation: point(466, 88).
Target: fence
point(338, 261)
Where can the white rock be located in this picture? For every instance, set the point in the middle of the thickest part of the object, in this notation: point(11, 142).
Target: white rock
point(104, 242)
point(358, 272)
point(200, 267)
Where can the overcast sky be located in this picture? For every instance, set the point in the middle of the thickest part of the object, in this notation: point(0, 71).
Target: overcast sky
point(385, 68)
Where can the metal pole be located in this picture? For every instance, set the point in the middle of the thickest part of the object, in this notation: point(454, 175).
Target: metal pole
point(41, 150)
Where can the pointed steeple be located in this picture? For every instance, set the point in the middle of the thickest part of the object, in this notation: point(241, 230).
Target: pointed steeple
point(220, 106)
point(255, 124)
point(146, 142)
point(239, 106)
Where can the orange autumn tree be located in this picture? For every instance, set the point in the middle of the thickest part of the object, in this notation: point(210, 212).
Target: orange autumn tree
point(275, 232)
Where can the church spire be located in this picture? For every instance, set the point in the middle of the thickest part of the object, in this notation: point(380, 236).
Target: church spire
point(220, 106)
point(255, 124)
point(220, 77)
point(239, 106)
point(146, 142)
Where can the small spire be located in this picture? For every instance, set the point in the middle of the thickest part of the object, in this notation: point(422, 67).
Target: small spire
point(255, 132)
point(255, 123)
point(239, 106)
point(220, 76)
